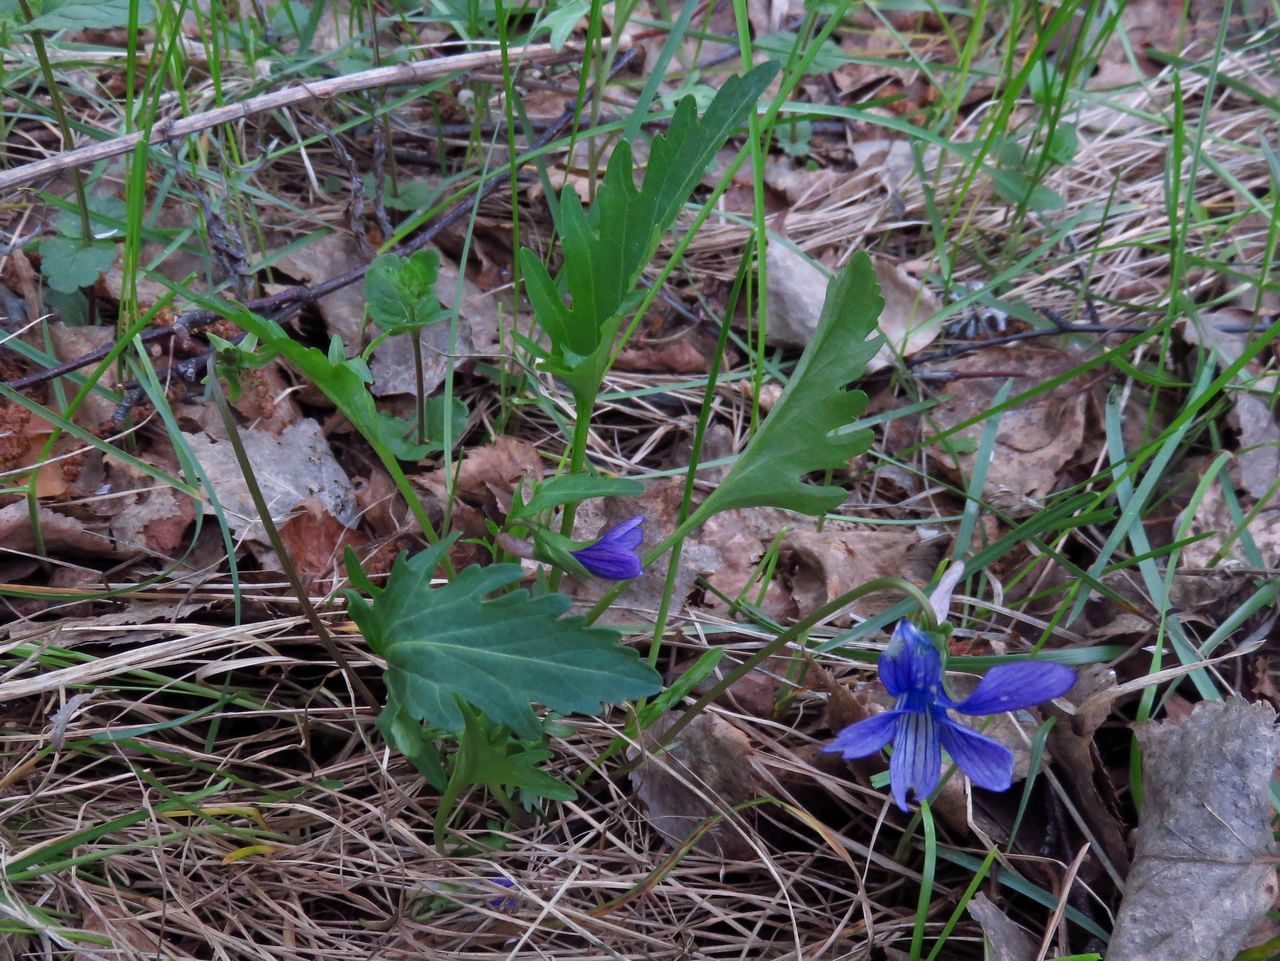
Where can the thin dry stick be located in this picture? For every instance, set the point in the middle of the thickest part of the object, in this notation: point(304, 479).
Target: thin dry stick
point(401, 74)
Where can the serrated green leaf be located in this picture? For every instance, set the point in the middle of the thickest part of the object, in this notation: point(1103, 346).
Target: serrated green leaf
point(86, 14)
point(493, 757)
point(605, 250)
point(68, 263)
point(409, 195)
point(799, 437)
point(498, 654)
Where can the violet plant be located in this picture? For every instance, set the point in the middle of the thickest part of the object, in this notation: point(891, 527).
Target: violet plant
point(467, 659)
point(920, 727)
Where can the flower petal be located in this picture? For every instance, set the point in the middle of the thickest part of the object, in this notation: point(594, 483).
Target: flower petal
point(910, 663)
point(917, 756)
point(614, 556)
point(865, 737)
point(626, 535)
point(1009, 687)
point(987, 763)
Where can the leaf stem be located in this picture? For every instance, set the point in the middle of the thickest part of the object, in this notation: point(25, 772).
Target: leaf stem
point(419, 385)
point(577, 461)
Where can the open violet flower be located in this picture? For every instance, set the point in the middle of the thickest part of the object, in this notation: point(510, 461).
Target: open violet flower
point(615, 556)
point(920, 728)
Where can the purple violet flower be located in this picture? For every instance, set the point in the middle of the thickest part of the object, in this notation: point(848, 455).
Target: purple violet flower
point(615, 555)
point(505, 903)
point(920, 728)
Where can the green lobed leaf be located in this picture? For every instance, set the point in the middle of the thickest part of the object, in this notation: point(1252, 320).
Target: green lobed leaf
point(799, 436)
point(494, 757)
point(409, 195)
point(396, 433)
point(560, 23)
point(794, 137)
point(455, 642)
point(106, 218)
point(604, 251)
point(400, 293)
point(68, 263)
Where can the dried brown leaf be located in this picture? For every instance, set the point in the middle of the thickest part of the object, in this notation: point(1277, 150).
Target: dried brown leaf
point(1213, 516)
point(1071, 740)
point(112, 920)
point(907, 321)
point(706, 771)
point(289, 468)
point(821, 565)
point(680, 356)
point(1204, 865)
point(332, 254)
point(797, 290)
point(1258, 463)
point(1006, 941)
point(62, 534)
point(1035, 442)
point(154, 519)
point(485, 480)
point(71, 342)
point(315, 540)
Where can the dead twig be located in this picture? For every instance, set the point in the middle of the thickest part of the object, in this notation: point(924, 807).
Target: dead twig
point(401, 74)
